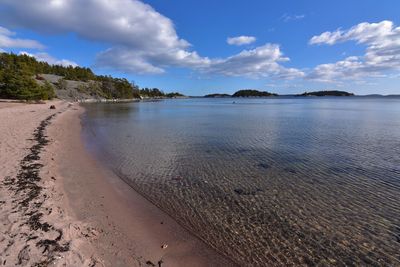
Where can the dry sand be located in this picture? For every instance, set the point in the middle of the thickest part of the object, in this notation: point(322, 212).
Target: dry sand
point(34, 225)
point(58, 206)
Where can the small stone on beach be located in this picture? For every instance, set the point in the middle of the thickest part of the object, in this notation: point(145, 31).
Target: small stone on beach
point(150, 263)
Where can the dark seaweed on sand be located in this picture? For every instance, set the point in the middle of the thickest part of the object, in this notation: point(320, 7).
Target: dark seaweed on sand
point(27, 191)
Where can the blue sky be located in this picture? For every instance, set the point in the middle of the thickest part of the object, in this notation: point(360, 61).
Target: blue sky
point(284, 47)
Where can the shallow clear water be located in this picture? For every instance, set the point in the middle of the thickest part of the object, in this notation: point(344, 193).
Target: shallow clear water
point(279, 181)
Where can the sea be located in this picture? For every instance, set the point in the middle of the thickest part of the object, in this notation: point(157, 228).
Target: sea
point(265, 181)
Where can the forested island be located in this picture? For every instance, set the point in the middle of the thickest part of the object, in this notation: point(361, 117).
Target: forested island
point(326, 93)
point(252, 93)
point(23, 77)
point(243, 93)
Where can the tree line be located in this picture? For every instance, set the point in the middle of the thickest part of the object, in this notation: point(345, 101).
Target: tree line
point(157, 93)
point(16, 78)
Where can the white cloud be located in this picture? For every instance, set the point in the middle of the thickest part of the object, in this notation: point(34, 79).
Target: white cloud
point(7, 40)
point(140, 39)
point(286, 17)
point(49, 59)
point(130, 60)
point(382, 41)
point(134, 30)
point(240, 40)
point(367, 33)
point(263, 61)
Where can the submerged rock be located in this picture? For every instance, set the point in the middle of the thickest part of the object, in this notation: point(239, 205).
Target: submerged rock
point(263, 165)
point(243, 192)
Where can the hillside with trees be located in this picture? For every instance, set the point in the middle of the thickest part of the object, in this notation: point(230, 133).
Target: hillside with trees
point(16, 79)
point(23, 77)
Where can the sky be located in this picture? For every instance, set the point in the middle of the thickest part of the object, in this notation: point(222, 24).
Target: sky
point(202, 47)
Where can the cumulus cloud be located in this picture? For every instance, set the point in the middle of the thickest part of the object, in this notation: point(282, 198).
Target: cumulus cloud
point(136, 32)
point(241, 40)
point(140, 39)
point(286, 17)
point(7, 40)
point(382, 54)
point(130, 60)
point(45, 57)
point(263, 61)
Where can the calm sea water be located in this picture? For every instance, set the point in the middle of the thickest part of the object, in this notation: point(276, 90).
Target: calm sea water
point(279, 181)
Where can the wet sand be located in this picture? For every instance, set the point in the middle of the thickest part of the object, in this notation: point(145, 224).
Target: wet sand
point(81, 214)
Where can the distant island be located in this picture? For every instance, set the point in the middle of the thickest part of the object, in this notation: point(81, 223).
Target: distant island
point(326, 93)
point(252, 93)
point(174, 95)
point(243, 93)
point(217, 95)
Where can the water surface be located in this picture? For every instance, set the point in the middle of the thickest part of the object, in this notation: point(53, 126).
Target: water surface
point(277, 181)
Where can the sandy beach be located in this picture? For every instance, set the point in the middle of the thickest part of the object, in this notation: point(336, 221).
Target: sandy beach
point(58, 206)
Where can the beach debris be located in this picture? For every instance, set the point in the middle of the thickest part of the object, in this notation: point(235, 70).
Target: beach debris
point(161, 222)
point(90, 232)
point(160, 262)
point(93, 262)
point(52, 107)
point(23, 255)
point(164, 246)
point(150, 263)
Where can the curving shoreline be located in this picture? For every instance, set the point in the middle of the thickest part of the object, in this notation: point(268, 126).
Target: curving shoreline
point(88, 212)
